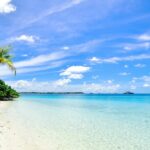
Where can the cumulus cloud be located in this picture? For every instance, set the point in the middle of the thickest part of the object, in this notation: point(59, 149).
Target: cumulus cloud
point(99, 88)
point(6, 6)
point(25, 38)
point(62, 82)
point(21, 84)
point(56, 86)
point(30, 86)
point(73, 72)
point(75, 76)
point(75, 69)
point(143, 81)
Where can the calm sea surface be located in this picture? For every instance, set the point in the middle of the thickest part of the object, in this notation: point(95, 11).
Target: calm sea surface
point(84, 122)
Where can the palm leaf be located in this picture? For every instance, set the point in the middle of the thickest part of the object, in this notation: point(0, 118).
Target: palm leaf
point(6, 58)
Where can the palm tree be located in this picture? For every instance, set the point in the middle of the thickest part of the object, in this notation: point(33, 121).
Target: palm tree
point(6, 58)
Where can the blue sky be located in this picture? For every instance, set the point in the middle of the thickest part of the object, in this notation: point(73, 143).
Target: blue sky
point(77, 45)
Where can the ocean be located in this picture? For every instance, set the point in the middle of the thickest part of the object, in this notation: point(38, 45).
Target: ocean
point(82, 122)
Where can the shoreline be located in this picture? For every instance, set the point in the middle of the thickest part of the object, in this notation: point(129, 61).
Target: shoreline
point(14, 133)
point(63, 124)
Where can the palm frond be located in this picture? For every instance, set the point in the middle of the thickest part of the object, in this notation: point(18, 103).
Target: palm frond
point(6, 58)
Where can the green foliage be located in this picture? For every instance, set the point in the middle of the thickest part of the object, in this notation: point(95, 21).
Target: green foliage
point(6, 92)
point(6, 58)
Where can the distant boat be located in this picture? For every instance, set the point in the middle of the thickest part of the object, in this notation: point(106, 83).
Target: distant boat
point(128, 92)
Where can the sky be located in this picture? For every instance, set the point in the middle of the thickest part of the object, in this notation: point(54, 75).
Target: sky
point(87, 46)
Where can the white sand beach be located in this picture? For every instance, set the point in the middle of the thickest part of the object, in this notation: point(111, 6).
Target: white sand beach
point(14, 136)
point(11, 137)
point(8, 136)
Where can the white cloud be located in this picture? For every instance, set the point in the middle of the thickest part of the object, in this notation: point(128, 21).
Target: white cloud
point(139, 65)
point(30, 86)
point(124, 74)
point(143, 81)
point(23, 70)
point(128, 48)
point(38, 63)
point(51, 11)
point(21, 84)
point(56, 86)
point(26, 38)
point(62, 82)
point(41, 59)
point(109, 81)
point(84, 47)
point(99, 88)
point(75, 76)
point(95, 59)
point(66, 48)
point(127, 58)
point(131, 47)
point(142, 43)
point(6, 6)
point(146, 85)
point(74, 70)
point(144, 37)
point(144, 78)
point(77, 1)
point(51, 65)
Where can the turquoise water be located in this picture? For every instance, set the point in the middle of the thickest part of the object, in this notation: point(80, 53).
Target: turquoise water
point(84, 122)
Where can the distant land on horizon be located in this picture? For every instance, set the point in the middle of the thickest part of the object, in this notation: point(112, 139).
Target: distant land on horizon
point(125, 93)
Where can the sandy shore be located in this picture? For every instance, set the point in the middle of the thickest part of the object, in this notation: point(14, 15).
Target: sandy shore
point(10, 138)
point(6, 130)
point(12, 135)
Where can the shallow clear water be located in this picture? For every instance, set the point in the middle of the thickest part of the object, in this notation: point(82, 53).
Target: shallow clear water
point(84, 122)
